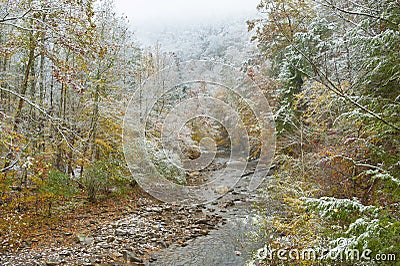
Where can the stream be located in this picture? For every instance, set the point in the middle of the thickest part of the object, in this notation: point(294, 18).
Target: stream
point(231, 243)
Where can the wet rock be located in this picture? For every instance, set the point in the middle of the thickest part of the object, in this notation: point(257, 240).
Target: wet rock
point(65, 253)
point(228, 204)
point(110, 239)
point(201, 221)
point(153, 258)
point(121, 232)
point(117, 254)
point(154, 209)
point(104, 245)
point(163, 244)
point(83, 239)
point(131, 257)
point(194, 174)
point(203, 232)
point(51, 263)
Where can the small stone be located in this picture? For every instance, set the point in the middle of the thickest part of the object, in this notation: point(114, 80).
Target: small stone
point(51, 263)
point(83, 240)
point(194, 174)
point(222, 190)
point(163, 244)
point(203, 232)
point(65, 253)
point(153, 257)
point(104, 245)
point(131, 257)
point(110, 239)
point(117, 254)
point(201, 221)
point(120, 232)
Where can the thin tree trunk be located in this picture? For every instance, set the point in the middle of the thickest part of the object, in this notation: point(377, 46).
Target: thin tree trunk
point(25, 83)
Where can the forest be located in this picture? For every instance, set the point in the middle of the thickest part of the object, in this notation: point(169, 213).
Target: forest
point(330, 71)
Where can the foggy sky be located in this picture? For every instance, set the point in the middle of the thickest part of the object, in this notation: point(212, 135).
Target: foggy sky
point(161, 13)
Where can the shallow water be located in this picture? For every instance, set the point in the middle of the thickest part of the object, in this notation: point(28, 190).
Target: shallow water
point(230, 244)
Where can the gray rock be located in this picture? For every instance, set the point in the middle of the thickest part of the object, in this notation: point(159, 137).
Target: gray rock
point(51, 263)
point(163, 244)
point(117, 254)
point(65, 253)
point(153, 258)
point(131, 257)
point(202, 221)
point(110, 239)
point(120, 232)
point(203, 232)
point(83, 239)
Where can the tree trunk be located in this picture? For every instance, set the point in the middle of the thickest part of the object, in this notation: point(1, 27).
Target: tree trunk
point(25, 83)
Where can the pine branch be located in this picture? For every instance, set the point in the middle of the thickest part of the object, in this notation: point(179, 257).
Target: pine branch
point(350, 12)
point(325, 80)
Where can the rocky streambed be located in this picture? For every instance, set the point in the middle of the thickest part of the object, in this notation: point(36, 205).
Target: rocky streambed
point(131, 239)
point(231, 242)
point(153, 233)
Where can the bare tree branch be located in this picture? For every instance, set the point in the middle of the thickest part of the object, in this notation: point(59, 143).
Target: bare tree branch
point(9, 167)
point(5, 19)
point(53, 120)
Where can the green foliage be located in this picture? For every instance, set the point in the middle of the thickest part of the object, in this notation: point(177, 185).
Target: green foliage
point(58, 185)
point(102, 179)
point(96, 180)
point(339, 209)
